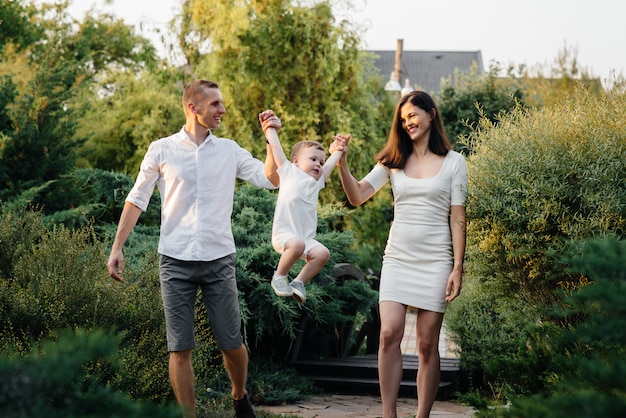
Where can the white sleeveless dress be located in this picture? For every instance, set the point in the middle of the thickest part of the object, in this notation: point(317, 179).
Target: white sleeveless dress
point(418, 258)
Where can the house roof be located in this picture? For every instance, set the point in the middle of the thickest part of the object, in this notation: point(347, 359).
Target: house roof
point(425, 69)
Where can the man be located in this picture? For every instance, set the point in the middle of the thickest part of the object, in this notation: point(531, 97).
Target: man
point(196, 172)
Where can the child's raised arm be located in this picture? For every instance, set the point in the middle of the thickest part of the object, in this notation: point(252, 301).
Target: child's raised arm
point(330, 164)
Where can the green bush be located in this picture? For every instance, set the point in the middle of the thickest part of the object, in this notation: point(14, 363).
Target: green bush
point(50, 277)
point(54, 278)
point(537, 181)
point(583, 351)
point(543, 178)
point(57, 379)
point(488, 330)
point(89, 196)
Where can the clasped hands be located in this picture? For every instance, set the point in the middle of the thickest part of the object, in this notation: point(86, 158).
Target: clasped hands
point(340, 143)
point(269, 119)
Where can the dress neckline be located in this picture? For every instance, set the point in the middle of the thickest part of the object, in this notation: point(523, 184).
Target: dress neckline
point(445, 159)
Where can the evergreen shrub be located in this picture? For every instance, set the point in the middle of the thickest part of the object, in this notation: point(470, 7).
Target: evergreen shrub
point(54, 278)
point(585, 362)
point(273, 325)
point(56, 379)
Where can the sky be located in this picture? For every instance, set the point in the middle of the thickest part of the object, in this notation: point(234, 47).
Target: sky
point(530, 32)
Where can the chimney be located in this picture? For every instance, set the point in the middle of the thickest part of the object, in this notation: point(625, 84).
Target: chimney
point(398, 64)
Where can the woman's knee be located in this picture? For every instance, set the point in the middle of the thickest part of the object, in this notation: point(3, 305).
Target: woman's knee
point(390, 336)
point(427, 348)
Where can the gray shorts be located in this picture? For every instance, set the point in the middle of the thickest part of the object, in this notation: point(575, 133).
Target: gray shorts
point(180, 281)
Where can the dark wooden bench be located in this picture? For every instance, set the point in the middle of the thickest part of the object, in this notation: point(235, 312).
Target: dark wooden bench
point(359, 374)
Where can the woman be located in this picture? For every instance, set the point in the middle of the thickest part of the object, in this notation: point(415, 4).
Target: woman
point(423, 261)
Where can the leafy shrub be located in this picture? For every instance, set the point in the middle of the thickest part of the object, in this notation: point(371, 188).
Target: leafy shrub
point(537, 181)
point(543, 178)
point(54, 278)
point(49, 277)
point(19, 231)
point(489, 330)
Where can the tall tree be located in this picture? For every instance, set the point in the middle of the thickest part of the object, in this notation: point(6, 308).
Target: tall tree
point(35, 146)
point(133, 110)
point(296, 60)
point(16, 25)
point(38, 90)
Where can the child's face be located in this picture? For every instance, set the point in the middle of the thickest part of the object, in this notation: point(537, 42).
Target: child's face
point(310, 160)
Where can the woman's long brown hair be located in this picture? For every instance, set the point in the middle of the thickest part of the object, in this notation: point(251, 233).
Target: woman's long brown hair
point(399, 144)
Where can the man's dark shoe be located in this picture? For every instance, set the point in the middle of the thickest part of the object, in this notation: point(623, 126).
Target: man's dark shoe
point(243, 408)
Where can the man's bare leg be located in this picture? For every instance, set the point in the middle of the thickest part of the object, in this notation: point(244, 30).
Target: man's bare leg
point(182, 379)
point(236, 364)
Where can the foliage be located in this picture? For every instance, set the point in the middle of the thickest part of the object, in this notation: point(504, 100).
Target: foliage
point(566, 183)
point(53, 278)
point(488, 329)
point(582, 352)
point(546, 85)
point(16, 25)
point(470, 98)
point(538, 180)
point(324, 85)
point(123, 113)
point(57, 379)
point(269, 383)
point(274, 384)
point(39, 85)
point(93, 196)
point(98, 196)
point(34, 146)
point(103, 42)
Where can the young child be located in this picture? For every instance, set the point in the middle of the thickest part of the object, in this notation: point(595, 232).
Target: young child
point(295, 217)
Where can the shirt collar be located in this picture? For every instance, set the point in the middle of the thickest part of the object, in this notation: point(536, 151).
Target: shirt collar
point(183, 137)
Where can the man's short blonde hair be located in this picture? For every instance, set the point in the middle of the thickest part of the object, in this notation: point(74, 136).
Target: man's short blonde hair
point(195, 91)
